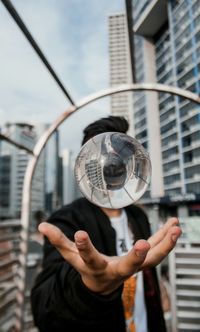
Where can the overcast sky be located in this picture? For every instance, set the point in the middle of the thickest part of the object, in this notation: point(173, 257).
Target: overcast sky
point(73, 34)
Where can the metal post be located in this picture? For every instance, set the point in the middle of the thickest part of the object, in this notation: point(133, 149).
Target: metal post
point(11, 9)
point(18, 145)
point(129, 19)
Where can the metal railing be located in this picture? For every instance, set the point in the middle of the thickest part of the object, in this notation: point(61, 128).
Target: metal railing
point(9, 285)
point(184, 264)
point(11, 290)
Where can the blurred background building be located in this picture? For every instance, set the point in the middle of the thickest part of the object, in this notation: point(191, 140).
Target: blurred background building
point(120, 66)
point(12, 170)
point(70, 188)
point(47, 187)
point(46, 196)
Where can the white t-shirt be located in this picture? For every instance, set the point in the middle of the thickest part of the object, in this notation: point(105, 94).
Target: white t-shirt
point(124, 240)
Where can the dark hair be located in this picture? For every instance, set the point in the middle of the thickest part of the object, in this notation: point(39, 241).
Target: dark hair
point(111, 123)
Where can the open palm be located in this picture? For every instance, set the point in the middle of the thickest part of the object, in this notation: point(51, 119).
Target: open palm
point(104, 274)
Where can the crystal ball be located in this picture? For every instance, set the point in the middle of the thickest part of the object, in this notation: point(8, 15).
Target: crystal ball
point(113, 170)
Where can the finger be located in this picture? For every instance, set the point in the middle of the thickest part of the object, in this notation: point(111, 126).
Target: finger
point(57, 237)
point(88, 252)
point(130, 263)
point(160, 234)
point(162, 249)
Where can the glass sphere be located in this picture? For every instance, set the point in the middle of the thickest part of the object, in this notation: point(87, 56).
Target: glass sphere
point(112, 170)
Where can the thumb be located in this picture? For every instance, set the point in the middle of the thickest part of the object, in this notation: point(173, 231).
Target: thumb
point(130, 263)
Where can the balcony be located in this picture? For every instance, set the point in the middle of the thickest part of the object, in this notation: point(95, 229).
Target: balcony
point(190, 82)
point(193, 179)
point(142, 140)
point(164, 50)
point(167, 107)
point(193, 129)
point(194, 145)
point(192, 163)
point(175, 184)
point(185, 70)
point(181, 29)
point(169, 119)
point(169, 132)
point(184, 51)
point(169, 145)
point(140, 129)
point(191, 114)
point(172, 171)
point(171, 158)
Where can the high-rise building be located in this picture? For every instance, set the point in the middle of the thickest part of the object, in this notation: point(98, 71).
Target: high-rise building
point(70, 187)
point(54, 174)
point(167, 51)
point(13, 163)
point(120, 67)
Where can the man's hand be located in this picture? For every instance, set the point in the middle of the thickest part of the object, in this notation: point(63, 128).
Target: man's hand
point(103, 274)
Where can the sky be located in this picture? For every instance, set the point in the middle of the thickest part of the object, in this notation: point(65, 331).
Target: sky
point(73, 34)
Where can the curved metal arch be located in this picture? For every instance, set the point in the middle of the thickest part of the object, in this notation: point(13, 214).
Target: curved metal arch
point(26, 196)
point(85, 101)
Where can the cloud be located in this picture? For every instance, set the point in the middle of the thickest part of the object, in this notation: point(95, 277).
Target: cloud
point(74, 37)
point(26, 87)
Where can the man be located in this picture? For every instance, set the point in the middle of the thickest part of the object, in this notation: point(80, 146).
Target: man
point(90, 279)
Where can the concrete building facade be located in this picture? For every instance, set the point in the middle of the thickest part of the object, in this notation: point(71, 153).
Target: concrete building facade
point(167, 51)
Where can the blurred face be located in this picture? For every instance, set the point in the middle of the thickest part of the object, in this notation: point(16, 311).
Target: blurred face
point(114, 171)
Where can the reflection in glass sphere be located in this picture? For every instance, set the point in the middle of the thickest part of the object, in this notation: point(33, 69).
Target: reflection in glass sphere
point(113, 170)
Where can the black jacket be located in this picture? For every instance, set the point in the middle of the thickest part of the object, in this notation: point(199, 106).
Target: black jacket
point(61, 302)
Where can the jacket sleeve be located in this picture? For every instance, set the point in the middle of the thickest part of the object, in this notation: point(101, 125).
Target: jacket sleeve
point(59, 293)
